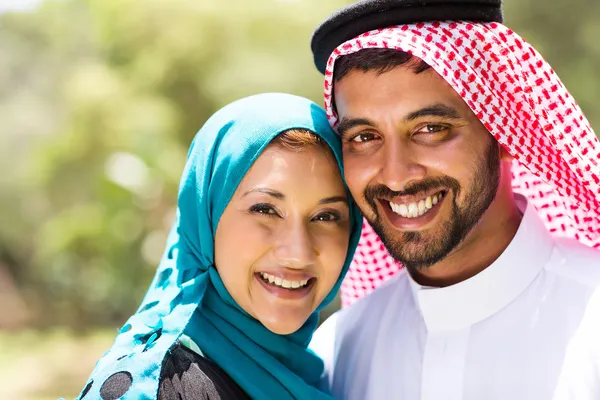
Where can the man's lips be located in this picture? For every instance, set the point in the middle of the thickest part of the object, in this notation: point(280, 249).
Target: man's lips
point(415, 198)
point(415, 206)
point(415, 214)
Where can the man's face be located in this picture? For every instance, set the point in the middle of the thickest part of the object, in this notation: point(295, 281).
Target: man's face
point(419, 163)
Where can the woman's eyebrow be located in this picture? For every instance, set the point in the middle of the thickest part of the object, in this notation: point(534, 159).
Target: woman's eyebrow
point(334, 199)
point(270, 192)
point(281, 196)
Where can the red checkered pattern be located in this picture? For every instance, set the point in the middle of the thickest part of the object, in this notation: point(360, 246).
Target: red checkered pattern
point(522, 102)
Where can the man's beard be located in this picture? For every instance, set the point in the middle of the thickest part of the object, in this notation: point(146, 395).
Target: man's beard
point(417, 250)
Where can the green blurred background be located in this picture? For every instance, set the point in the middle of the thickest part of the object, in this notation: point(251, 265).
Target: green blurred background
point(99, 100)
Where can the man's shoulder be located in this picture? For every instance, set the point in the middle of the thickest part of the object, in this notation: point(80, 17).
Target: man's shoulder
point(576, 262)
point(396, 287)
point(579, 376)
point(347, 332)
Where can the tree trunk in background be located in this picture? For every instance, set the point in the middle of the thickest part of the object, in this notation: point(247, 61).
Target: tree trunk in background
point(14, 313)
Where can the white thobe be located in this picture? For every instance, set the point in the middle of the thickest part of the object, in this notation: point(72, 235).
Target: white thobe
point(527, 327)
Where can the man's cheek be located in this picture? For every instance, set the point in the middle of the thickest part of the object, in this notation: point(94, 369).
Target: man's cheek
point(357, 181)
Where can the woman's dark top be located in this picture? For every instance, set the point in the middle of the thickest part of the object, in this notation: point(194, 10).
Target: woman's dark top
point(185, 375)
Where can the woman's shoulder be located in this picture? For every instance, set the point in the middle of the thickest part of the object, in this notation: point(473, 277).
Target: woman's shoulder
point(186, 375)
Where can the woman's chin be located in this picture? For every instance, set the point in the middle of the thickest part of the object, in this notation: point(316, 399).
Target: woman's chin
point(283, 326)
point(282, 316)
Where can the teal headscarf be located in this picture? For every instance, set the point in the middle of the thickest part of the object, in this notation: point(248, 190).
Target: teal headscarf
point(187, 295)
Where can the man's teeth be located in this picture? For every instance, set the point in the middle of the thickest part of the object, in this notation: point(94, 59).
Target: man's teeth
point(414, 210)
point(284, 283)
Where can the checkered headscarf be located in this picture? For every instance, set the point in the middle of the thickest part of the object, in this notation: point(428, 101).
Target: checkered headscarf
point(522, 102)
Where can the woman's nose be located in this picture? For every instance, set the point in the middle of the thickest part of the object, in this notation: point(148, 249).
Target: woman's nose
point(295, 247)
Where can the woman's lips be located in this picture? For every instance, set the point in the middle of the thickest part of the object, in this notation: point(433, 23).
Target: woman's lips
point(276, 288)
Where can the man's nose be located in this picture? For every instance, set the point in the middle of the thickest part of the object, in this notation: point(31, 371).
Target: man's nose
point(400, 166)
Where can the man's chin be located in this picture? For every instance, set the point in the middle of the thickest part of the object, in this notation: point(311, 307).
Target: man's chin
point(413, 249)
point(413, 255)
point(406, 239)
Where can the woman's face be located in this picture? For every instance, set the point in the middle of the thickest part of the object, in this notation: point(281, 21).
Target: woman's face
point(281, 242)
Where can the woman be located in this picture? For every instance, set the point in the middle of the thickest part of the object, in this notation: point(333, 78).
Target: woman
point(265, 232)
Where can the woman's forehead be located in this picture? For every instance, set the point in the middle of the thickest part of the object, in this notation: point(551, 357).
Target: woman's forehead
point(294, 171)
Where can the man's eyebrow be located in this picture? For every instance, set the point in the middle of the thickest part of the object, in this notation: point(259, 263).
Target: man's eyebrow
point(436, 110)
point(349, 123)
point(334, 199)
point(270, 192)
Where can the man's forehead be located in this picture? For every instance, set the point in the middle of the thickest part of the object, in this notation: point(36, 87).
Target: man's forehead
point(371, 90)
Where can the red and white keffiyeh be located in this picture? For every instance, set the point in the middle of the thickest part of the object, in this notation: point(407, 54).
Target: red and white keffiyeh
point(522, 102)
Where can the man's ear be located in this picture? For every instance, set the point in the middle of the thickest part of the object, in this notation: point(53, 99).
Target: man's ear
point(504, 154)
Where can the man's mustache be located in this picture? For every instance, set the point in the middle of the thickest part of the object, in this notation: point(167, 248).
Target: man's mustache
point(373, 192)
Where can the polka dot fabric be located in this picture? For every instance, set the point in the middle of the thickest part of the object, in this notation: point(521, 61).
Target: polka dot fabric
point(522, 102)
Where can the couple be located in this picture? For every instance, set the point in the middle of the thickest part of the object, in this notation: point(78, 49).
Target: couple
point(471, 163)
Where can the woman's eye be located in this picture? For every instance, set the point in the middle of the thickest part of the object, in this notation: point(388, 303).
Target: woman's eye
point(265, 209)
point(433, 128)
point(327, 217)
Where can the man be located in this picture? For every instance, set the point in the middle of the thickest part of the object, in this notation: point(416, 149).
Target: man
point(480, 174)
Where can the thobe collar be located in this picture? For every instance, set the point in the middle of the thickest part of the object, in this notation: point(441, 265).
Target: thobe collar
point(488, 292)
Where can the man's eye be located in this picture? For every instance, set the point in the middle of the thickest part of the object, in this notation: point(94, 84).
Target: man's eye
point(265, 209)
point(363, 137)
point(433, 128)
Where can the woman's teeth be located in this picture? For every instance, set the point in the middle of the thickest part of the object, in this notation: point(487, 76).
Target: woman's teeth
point(273, 280)
point(414, 210)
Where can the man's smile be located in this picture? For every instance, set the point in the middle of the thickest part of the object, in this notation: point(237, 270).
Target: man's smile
point(413, 212)
point(413, 209)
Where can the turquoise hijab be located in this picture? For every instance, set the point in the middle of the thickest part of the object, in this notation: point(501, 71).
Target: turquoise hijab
point(187, 295)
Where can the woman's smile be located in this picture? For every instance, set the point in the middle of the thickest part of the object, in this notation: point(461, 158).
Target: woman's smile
point(288, 289)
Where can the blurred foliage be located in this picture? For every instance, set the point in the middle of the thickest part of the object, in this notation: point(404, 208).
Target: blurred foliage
point(99, 100)
point(48, 362)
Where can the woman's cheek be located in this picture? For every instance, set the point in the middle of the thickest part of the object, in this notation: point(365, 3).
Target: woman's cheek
point(333, 252)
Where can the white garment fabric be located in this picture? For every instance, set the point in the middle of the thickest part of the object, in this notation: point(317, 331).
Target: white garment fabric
point(527, 327)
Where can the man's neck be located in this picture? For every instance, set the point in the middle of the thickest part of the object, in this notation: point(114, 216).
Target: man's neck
point(482, 246)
